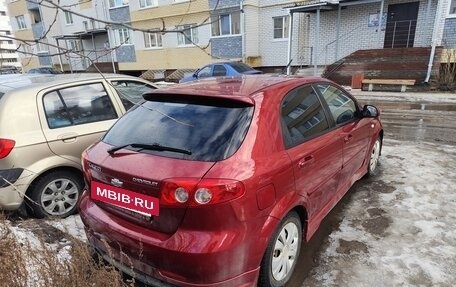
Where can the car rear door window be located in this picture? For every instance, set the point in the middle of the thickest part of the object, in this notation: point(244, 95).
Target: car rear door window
point(130, 92)
point(342, 107)
point(219, 70)
point(78, 105)
point(210, 130)
point(302, 116)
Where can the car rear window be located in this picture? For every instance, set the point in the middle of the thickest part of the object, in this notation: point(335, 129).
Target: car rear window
point(1, 95)
point(210, 129)
point(241, 67)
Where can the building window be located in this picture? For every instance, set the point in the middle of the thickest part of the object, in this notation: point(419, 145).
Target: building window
point(122, 36)
point(152, 40)
point(68, 18)
point(21, 22)
point(74, 46)
point(2, 13)
point(148, 3)
point(452, 11)
point(188, 36)
point(281, 27)
point(117, 3)
point(226, 24)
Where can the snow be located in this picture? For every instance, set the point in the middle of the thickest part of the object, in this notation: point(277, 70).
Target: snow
point(413, 199)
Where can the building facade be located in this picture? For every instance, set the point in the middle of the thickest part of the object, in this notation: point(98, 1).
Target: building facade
point(163, 36)
point(9, 59)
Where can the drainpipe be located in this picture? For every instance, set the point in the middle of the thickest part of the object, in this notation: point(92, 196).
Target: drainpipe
point(380, 24)
point(241, 7)
point(438, 13)
point(317, 44)
point(290, 36)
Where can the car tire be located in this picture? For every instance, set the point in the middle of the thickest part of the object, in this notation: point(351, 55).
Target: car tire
point(374, 158)
point(56, 194)
point(282, 252)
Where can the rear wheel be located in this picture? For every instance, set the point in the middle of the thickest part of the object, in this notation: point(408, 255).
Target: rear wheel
point(282, 252)
point(372, 168)
point(56, 194)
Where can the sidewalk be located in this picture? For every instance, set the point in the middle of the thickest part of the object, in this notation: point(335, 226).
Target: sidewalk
point(437, 97)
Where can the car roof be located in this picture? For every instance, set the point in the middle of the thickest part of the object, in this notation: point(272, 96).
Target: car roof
point(233, 87)
point(41, 81)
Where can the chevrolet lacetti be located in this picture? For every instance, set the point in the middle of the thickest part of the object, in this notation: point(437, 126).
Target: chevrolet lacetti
point(217, 182)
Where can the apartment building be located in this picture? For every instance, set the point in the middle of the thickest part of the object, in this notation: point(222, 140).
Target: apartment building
point(164, 37)
point(9, 60)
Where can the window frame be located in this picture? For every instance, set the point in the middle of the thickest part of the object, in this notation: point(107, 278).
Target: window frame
point(158, 43)
point(20, 21)
point(69, 18)
point(182, 38)
point(143, 4)
point(450, 14)
point(218, 20)
point(117, 3)
point(284, 29)
point(121, 34)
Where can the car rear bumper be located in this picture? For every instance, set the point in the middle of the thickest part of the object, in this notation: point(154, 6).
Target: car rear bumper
point(185, 258)
point(12, 188)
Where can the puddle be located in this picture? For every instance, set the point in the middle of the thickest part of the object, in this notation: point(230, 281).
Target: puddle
point(423, 106)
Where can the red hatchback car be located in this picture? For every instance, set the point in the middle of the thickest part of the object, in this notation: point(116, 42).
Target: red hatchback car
point(217, 182)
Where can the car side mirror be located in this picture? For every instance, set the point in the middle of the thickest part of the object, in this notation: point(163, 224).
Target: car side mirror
point(370, 111)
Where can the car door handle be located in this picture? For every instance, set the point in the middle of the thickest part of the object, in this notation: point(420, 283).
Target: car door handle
point(68, 138)
point(306, 161)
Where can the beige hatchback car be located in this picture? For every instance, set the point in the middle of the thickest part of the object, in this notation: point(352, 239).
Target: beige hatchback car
point(46, 121)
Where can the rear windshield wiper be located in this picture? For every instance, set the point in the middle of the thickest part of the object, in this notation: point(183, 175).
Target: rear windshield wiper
point(154, 146)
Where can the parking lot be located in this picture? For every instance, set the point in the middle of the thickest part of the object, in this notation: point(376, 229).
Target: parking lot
point(396, 229)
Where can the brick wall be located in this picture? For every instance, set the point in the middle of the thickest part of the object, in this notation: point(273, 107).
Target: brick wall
point(355, 33)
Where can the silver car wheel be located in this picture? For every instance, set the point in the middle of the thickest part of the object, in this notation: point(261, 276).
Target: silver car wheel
point(374, 156)
point(59, 196)
point(285, 251)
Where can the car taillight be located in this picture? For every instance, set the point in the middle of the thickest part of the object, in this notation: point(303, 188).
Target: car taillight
point(6, 146)
point(195, 192)
point(85, 168)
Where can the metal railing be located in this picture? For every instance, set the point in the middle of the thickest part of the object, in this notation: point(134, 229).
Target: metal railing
point(400, 34)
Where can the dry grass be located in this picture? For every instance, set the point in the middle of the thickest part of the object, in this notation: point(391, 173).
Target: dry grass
point(25, 262)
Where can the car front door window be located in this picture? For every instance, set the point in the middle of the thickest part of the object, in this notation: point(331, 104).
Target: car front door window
point(204, 72)
point(342, 107)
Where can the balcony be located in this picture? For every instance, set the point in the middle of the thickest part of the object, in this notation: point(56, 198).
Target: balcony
point(38, 30)
point(32, 4)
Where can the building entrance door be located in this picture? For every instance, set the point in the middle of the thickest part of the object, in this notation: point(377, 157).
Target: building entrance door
point(401, 25)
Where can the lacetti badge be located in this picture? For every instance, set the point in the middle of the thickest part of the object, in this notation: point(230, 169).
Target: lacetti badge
point(138, 202)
